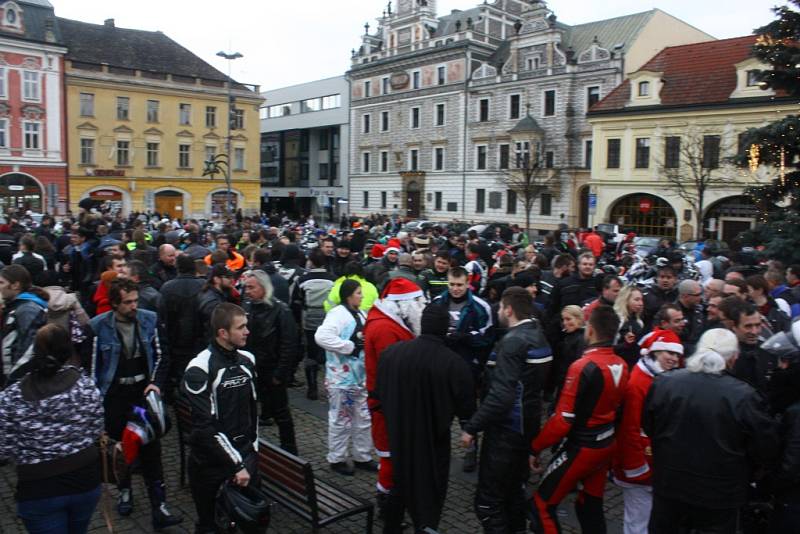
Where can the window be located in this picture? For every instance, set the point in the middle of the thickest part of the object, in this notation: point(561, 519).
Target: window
point(480, 200)
point(30, 89)
point(323, 139)
point(123, 108)
point(522, 153)
point(87, 151)
point(549, 158)
point(238, 159)
point(452, 206)
point(383, 199)
point(184, 160)
point(511, 202)
point(440, 114)
point(441, 75)
point(152, 111)
point(324, 171)
point(504, 156)
point(87, 104)
point(644, 88)
point(211, 151)
point(483, 110)
point(592, 95)
point(642, 152)
point(211, 116)
point(123, 153)
point(384, 121)
point(384, 161)
point(365, 202)
point(495, 200)
point(413, 159)
point(513, 107)
point(532, 63)
point(279, 110)
point(587, 154)
point(367, 89)
point(3, 82)
point(414, 119)
point(481, 157)
point(310, 104)
point(550, 103)
point(3, 133)
point(238, 119)
point(753, 78)
point(331, 101)
point(711, 151)
point(152, 154)
point(612, 155)
point(185, 112)
point(672, 152)
point(545, 204)
point(32, 132)
point(438, 158)
point(365, 162)
point(437, 199)
point(365, 123)
point(385, 85)
point(415, 80)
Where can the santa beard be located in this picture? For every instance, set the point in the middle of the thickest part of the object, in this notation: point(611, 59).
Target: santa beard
point(410, 311)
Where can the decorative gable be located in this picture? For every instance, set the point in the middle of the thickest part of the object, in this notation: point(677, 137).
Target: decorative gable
point(123, 129)
point(153, 131)
point(185, 133)
point(484, 71)
point(645, 88)
point(594, 53)
point(748, 79)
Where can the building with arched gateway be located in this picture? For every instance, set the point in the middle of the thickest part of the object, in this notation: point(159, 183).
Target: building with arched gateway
point(679, 122)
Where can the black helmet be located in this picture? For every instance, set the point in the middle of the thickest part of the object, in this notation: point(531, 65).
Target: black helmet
point(244, 507)
point(156, 413)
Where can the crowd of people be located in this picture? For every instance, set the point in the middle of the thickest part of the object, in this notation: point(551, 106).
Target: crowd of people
point(562, 371)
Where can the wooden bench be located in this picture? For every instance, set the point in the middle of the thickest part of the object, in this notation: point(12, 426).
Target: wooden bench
point(183, 420)
point(290, 481)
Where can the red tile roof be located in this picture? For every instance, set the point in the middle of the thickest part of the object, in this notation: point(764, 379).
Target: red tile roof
point(699, 73)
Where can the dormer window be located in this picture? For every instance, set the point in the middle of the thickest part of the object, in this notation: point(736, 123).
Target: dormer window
point(749, 80)
point(753, 78)
point(12, 16)
point(644, 88)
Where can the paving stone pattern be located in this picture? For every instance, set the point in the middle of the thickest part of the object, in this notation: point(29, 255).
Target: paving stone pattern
point(309, 417)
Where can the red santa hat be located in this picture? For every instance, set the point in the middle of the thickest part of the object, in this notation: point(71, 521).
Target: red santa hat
point(661, 340)
point(394, 243)
point(401, 289)
point(377, 251)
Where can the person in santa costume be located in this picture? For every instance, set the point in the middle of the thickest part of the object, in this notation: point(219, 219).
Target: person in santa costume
point(661, 351)
point(395, 317)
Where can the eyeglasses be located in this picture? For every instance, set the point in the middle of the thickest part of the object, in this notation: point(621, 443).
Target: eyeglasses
point(694, 294)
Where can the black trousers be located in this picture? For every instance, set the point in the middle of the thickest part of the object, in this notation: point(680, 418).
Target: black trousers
point(670, 516)
point(275, 404)
point(118, 404)
point(314, 354)
point(204, 482)
point(500, 502)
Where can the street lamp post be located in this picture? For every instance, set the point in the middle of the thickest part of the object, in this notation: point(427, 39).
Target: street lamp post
point(215, 163)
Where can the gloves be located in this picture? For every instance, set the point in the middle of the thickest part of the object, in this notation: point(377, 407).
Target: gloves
point(358, 344)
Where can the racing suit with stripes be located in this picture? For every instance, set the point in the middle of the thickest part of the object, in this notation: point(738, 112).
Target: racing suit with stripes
point(220, 387)
point(583, 428)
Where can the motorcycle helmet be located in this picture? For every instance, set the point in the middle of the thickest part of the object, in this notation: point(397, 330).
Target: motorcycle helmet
point(246, 508)
point(156, 413)
point(785, 345)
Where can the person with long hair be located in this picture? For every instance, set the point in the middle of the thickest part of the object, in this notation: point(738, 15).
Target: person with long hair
point(629, 307)
point(49, 425)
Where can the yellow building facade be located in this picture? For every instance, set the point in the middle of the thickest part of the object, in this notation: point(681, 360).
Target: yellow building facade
point(139, 138)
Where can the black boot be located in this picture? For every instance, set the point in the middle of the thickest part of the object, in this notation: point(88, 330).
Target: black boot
point(311, 380)
point(380, 500)
point(162, 518)
point(394, 512)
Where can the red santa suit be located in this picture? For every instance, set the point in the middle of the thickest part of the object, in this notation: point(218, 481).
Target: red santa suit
point(384, 327)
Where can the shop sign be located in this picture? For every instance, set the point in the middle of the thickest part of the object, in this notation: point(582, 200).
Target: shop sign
point(645, 205)
point(105, 172)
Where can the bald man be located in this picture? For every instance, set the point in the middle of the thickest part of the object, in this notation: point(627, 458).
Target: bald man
point(690, 299)
point(164, 269)
point(713, 288)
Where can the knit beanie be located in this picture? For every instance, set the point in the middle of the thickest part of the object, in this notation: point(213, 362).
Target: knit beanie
point(435, 320)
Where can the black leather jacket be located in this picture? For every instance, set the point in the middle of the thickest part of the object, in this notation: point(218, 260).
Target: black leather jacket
point(178, 313)
point(516, 374)
point(654, 298)
point(709, 432)
point(784, 397)
point(273, 340)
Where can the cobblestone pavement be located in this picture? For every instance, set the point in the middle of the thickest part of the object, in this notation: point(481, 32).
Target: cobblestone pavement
point(310, 422)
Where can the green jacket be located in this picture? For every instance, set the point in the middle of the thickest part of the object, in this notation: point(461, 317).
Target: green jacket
point(367, 289)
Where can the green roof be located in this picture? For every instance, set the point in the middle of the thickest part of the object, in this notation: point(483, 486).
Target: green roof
point(528, 124)
point(609, 32)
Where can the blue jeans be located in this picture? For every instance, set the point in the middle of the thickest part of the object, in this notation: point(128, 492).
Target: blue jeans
point(67, 514)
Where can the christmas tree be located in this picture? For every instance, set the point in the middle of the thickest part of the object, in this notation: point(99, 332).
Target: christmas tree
point(778, 144)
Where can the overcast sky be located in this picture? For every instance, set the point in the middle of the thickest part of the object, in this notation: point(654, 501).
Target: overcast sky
point(286, 43)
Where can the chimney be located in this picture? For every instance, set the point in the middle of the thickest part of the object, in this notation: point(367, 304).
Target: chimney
point(109, 23)
point(49, 36)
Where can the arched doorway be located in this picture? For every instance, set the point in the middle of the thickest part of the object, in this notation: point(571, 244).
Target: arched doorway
point(112, 199)
point(727, 218)
point(20, 192)
point(583, 203)
point(169, 202)
point(219, 202)
point(413, 196)
point(644, 214)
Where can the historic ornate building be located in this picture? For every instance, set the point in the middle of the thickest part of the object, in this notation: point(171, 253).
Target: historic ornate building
point(32, 146)
point(436, 104)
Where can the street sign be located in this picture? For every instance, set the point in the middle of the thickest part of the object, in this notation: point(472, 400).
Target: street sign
point(592, 203)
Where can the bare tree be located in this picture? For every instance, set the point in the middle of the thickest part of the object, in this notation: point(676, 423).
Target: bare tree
point(693, 164)
point(530, 179)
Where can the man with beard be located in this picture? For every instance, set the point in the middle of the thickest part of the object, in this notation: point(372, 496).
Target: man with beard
point(422, 385)
point(395, 317)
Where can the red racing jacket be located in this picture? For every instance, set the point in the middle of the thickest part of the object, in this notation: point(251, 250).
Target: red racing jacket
point(589, 402)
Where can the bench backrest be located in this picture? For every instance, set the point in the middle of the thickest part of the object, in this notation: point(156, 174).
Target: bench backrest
point(290, 477)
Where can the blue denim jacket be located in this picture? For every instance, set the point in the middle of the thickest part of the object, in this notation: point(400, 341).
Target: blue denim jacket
point(107, 347)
